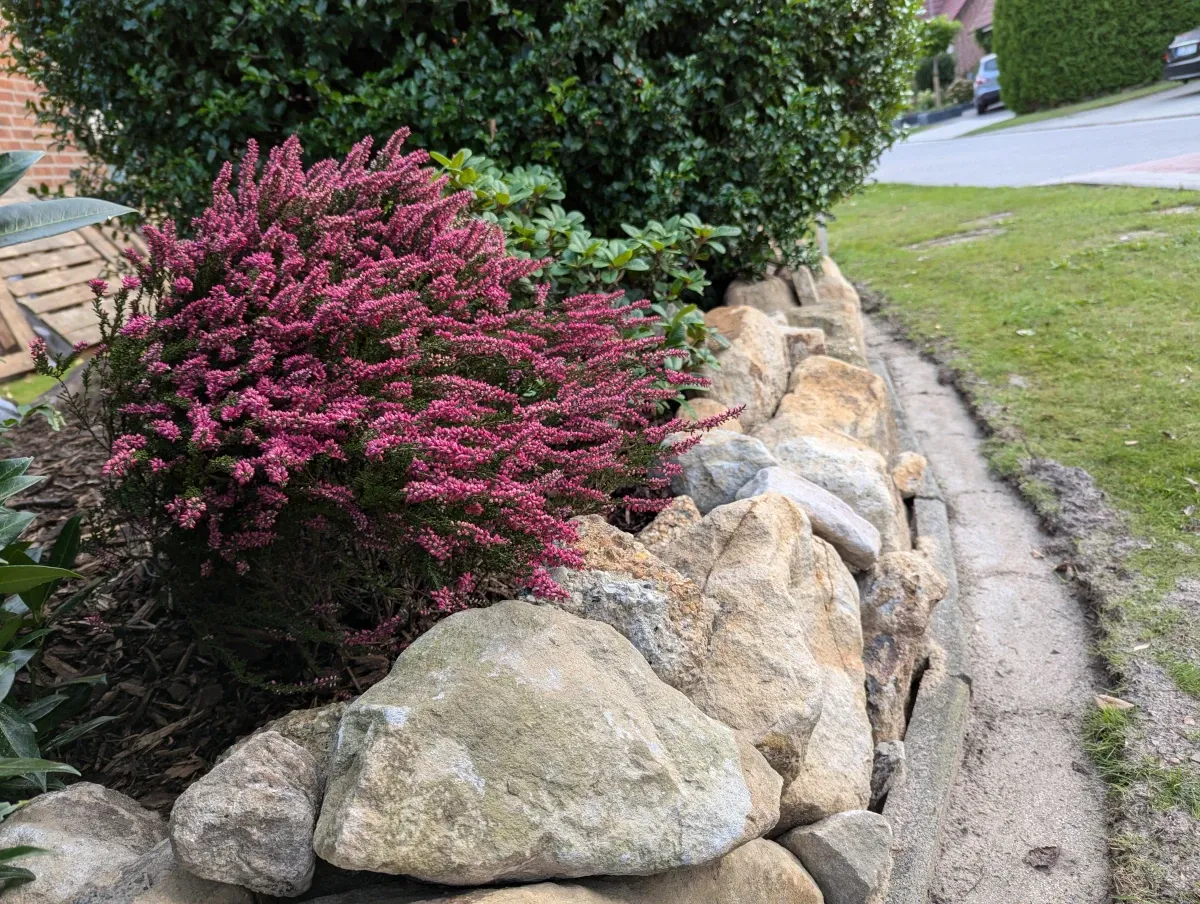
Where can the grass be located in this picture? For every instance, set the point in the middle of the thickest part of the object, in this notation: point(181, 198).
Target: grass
point(25, 390)
point(1094, 104)
point(1079, 327)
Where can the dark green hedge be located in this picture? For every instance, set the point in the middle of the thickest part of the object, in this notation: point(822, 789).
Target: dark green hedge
point(1055, 52)
point(754, 113)
point(924, 77)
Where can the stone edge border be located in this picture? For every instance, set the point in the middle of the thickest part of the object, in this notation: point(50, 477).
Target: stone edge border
point(938, 725)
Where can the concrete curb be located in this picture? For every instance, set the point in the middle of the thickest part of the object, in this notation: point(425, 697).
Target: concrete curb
point(938, 725)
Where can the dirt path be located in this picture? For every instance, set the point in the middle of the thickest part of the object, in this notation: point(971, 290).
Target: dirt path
point(1027, 821)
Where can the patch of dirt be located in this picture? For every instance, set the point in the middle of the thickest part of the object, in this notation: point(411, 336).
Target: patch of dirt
point(991, 219)
point(959, 238)
point(1157, 847)
point(1142, 235)
point(1176, 211)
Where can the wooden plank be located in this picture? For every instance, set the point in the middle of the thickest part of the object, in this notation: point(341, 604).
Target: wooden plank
point(89, 334)
point(15, 364)
point(95, 237)
point(63, 298)
point(31, 264)
point(54, 242)
point(70, 320)
point(56, 279)
point(14, 319)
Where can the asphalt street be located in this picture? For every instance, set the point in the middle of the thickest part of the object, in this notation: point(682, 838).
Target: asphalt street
point(1151, 141)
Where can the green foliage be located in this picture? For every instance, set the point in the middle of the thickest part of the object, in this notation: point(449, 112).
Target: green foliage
point(937, 34)
point(961, 91)
point(659, 262)
point(924, 77)
point(751, 114)
point(30, 220)
point(983, 37)
point(1059, 53)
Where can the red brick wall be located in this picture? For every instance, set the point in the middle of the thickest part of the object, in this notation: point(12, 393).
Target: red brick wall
point(19, 132)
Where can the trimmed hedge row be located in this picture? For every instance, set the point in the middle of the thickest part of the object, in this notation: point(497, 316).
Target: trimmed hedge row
point(1054, 53)
point(752, 114)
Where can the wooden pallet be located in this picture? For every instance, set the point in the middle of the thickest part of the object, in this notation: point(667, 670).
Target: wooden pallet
point(49, 277)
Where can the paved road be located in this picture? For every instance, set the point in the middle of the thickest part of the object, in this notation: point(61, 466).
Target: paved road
point(1152, 141)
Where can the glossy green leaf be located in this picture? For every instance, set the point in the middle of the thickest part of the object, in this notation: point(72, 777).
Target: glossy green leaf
point(29, 220)
point(14, 165)
point(17, 578)
point(11, 768)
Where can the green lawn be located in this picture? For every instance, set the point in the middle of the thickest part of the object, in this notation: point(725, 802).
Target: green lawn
point(1094, 104)
point(1078, 319)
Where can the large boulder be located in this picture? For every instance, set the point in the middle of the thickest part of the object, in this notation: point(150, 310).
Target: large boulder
point(89, 835)
point(754, 366)
point(844, 398)
point(652, 605)
point(702, 408)
point(519, 742)
point(832, 286)
point(313, 729)
point(250, 820)
point(157, 878)
point(718, 466)
point(760, 872)
point(856, 539)
point(771, 295)
point(802, 342)
point(784, 662)
point(849, 855)
point(851, 470)
point(898, 595)
point(679, 514)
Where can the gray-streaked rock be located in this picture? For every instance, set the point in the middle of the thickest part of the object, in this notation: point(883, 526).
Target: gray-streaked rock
point(249, 822)
point(702, 408)
point(784, 662)
point(753, 369)
point(855, 538)
point(680, 514)
point(718, 466)
point(889, 772)
point(844, 398)
point(802, 342)
point(770, 295)
point(908, 472)
point(519, 742)
point(90, 834)
point(760, 872)
point(899, 594)
point(652, 605)
point(157, 878)
point(851, 470)
point(849, 855)
point(313, 729)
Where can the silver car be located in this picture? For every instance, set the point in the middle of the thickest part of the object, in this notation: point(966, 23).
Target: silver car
point(987, 83)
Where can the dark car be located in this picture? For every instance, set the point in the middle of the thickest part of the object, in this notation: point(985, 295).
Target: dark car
point(1183, 57)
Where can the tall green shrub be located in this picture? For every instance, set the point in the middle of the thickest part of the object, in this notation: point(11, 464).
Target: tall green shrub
point(751, 113)
point(1054, 53)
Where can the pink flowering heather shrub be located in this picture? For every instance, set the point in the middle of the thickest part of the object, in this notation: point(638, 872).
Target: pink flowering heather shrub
point(341, 410)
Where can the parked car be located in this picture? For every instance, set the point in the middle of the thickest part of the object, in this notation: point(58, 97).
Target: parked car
point(987, 83)
point(1182, 58)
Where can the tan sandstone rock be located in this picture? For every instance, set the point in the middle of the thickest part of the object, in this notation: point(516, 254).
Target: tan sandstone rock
point(157, 878)
point(771, 295)
point(754, 367)
point(804, 285)
point(845, 398)
point(851, 470)
point(909, 473)
point(832, 286)
point(784, 661)
point(703, 408)
point(519, 743)
point(802, 342)
point(899, 594)
point(652, 605)
point(679, 515)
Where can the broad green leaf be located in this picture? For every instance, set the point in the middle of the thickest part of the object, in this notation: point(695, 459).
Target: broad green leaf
point(20, 850)
point(18, 578)
point(13, 485)
point(42, 706)
point(15, 876)
point(31, 220)
point(76, 732)
point(62, 555)
point(12, 525)
point(11, 768)
point(14, 164)
point(17, 735)
point(11, 662)
point(14, 467)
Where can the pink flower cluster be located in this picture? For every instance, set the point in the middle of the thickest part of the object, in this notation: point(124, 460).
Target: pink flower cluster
point(347, 343)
